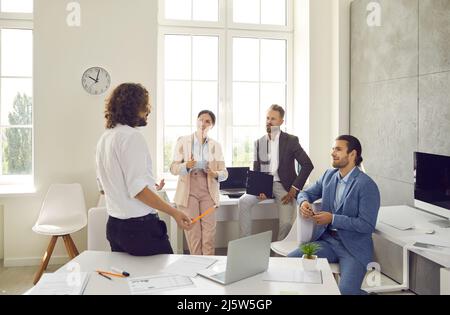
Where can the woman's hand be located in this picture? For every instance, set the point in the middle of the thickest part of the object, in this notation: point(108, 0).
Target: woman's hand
point(212, 173)
point(191, 164)
point(161, 185)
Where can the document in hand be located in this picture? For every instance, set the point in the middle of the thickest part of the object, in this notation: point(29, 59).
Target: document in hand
point(61, 284)
point(260, 183)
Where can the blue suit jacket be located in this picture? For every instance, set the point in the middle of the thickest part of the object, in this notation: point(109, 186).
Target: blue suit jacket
point(356, 216)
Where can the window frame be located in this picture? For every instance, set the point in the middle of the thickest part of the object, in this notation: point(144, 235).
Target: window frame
point(163, 31)
point(192, 23)
point(226, 29)
point(20, 21)
point(289, 27)
point(289, 79)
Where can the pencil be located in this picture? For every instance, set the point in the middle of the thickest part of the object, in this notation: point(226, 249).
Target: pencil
point(204, 214)
point(110, 274)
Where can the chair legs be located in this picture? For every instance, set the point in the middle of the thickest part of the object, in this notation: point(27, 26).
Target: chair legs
point(70, 248)
point(74, 248)
point(45, 259)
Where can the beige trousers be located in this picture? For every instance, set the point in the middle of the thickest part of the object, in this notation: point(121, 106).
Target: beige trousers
point(201, 238)
point(286, 213)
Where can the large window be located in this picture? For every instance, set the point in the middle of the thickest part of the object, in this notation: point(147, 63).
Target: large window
point(236, 68)
point(16, 92)
point(191, 84)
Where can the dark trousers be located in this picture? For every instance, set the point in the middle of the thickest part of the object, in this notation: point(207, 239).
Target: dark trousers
point(144, 236)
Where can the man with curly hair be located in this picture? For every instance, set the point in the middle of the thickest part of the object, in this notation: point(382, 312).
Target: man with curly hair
point(124, 172)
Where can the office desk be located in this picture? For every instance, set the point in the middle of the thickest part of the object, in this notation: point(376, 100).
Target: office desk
point(404, 239)
point(89, 261)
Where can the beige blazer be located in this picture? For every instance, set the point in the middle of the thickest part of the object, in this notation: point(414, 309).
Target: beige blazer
point(182, 154)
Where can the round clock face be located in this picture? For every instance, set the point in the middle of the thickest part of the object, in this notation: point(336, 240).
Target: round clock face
point(96, 80)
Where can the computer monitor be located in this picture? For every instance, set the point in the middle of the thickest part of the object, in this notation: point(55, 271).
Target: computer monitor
point(237, 178)
point(432, 183)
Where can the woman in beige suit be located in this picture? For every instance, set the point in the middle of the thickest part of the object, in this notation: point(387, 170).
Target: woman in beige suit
point(199, 163)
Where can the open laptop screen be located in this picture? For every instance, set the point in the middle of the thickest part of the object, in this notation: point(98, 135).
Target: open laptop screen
point(237, 178)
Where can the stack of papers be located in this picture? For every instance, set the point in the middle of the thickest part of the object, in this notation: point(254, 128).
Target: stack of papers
point(297, 276)
point(189, 266)
point(61, 284)
point(157, 284)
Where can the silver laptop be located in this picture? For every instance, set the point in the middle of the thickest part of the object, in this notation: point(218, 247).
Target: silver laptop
point(247, 257)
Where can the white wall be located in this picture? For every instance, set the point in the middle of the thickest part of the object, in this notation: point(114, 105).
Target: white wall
point(119, 35)
point(1, 232)
point(322, 71)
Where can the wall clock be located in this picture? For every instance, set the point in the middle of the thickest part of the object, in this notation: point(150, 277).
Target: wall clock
point(96, 80)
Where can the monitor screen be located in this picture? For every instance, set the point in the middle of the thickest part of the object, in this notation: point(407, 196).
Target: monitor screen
point(237, 178)
point(432, 179)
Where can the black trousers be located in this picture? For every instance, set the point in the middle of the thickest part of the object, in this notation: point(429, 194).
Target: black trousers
point(144, 236)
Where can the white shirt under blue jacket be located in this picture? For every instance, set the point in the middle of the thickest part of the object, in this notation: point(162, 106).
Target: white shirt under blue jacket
point(356, 214)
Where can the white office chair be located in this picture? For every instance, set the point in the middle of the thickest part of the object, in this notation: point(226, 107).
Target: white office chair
point(63, 212)
point(101, 201)
point(294, 238)
point(289, 244)
point(97, 220)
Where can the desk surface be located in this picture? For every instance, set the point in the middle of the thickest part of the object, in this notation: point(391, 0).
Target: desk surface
point(421, 221)
point(89, 261)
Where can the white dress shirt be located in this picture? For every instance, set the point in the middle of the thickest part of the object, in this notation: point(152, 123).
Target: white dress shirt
point(342, 183)
point(274, 155)
point(124, 169)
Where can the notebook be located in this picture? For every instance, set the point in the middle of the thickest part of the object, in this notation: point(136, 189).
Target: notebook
point(260, 183)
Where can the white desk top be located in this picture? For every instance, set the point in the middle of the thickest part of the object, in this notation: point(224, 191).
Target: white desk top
point(421, 221)
point(89, 261)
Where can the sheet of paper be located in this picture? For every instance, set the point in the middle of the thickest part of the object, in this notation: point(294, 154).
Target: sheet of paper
point(432, 248)
point(189, 266)
point(61, 284)
point(299, 276)
point(157, 284)
point(437, 240)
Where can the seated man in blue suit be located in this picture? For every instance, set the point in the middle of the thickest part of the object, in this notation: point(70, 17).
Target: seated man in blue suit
point(350, 203)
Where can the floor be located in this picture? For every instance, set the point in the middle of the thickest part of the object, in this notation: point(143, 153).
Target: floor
point(18, 280)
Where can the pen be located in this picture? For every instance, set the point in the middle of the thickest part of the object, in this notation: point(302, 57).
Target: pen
point(101, 274)
point(120, 271)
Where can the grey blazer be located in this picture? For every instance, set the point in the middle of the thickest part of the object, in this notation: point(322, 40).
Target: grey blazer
point(290, 151)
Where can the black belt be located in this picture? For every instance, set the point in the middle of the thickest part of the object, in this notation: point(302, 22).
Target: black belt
point(148, 217)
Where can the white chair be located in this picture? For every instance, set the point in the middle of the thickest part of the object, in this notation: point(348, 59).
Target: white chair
point(301, 232)
point(63, 212)
point(97, 220)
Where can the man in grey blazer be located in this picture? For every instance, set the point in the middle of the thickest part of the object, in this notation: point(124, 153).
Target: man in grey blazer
point(344, 225)
point(276, 153)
